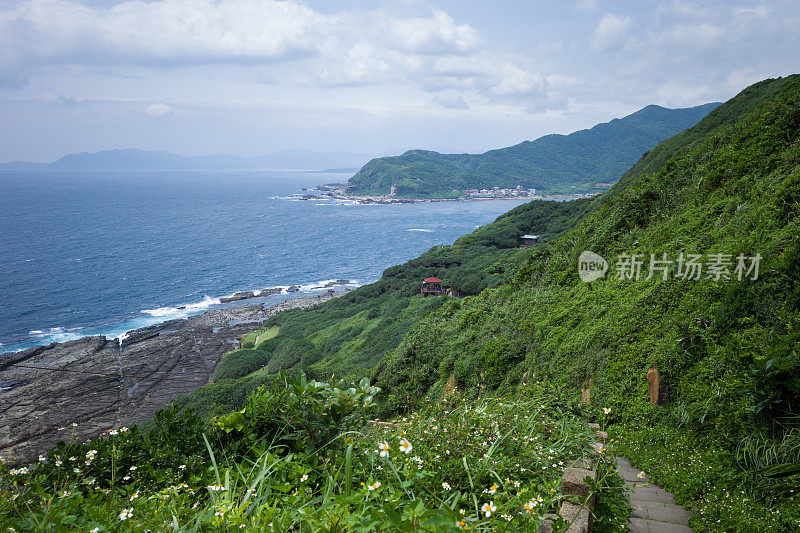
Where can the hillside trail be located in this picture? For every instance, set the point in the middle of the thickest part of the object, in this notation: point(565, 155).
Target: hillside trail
point(654, 509)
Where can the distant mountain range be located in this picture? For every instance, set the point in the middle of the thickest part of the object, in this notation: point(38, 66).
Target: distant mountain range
point(132, 159)
point(574, 163)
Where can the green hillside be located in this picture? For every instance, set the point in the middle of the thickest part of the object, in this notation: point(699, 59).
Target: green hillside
point(551, 164)
point(486, 386)
point(728, 350)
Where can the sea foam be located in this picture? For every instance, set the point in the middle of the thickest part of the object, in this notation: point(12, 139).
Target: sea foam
point(182, 310)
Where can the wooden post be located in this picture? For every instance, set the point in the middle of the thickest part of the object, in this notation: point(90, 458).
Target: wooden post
point(653, 384)
point(450, 387)
point(586, 393)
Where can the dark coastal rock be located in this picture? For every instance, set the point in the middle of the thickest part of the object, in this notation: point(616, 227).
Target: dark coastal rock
point(270, 291)
point(244, 295)
point(330, 187)
point(100, 384)
point(332, 284)
point(237, 296)
point(293, 288)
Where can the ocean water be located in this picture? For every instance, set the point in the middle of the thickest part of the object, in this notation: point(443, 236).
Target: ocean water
point(87, 253)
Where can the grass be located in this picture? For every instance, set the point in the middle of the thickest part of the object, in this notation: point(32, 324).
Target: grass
point(301, 455)
point(269, 333)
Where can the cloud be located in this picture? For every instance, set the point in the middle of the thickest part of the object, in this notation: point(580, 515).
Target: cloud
point(302, 46)
point(743, 77)
point(173, 31)
point(683, 53)
point(158, 110)
point(435, 35)
point(611, 32)
point(586, 5)
point(178, 32)
point(678, 93)
point(454, 102)
point(761, 12)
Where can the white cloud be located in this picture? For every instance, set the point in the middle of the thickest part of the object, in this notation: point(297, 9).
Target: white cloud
point(450, 102)
point(678, 94)
point(586, 5)
point(693, 34)
point(516, 81)
point(304, 47)
point(158, 110)
point(435, 35)
point(611, 32)
point(760, 12)
point(174, 31)
point(205, 31)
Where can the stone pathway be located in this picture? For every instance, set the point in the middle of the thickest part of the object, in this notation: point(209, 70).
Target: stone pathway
point(654, 509)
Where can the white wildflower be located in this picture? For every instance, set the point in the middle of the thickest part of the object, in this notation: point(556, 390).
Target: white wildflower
point(405, 446)
point(383, 448)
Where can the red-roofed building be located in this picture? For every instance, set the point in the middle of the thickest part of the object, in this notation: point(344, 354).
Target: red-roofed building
point(432, 287)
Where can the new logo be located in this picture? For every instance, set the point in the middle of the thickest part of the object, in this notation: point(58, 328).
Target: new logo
point(591, 266)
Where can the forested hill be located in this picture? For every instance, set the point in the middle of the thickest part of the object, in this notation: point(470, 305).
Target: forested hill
point(551, 164)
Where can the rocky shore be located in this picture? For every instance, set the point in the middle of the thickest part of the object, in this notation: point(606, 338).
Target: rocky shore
point(341, 191)
point(100, 384)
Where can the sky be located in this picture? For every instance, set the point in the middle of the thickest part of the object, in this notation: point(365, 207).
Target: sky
point(251, 77)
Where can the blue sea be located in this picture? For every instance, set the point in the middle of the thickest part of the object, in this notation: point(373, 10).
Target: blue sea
point(88, 253)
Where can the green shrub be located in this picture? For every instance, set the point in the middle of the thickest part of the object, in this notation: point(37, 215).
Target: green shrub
point(240, 363)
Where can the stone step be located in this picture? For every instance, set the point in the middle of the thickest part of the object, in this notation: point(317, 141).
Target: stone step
point(663, 512)
point(652, 493)
point(654, 509)
point(633, 475)
point(640, 525)
point(623, 462)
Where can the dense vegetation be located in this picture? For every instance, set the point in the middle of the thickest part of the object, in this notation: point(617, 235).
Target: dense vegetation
point(299, 455)
point(551, 164)
point(728, 348)
point(449, 371)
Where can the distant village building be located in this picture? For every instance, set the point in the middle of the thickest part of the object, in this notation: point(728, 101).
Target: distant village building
point(432, 287)
point(528, 240)
point(497, 192)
